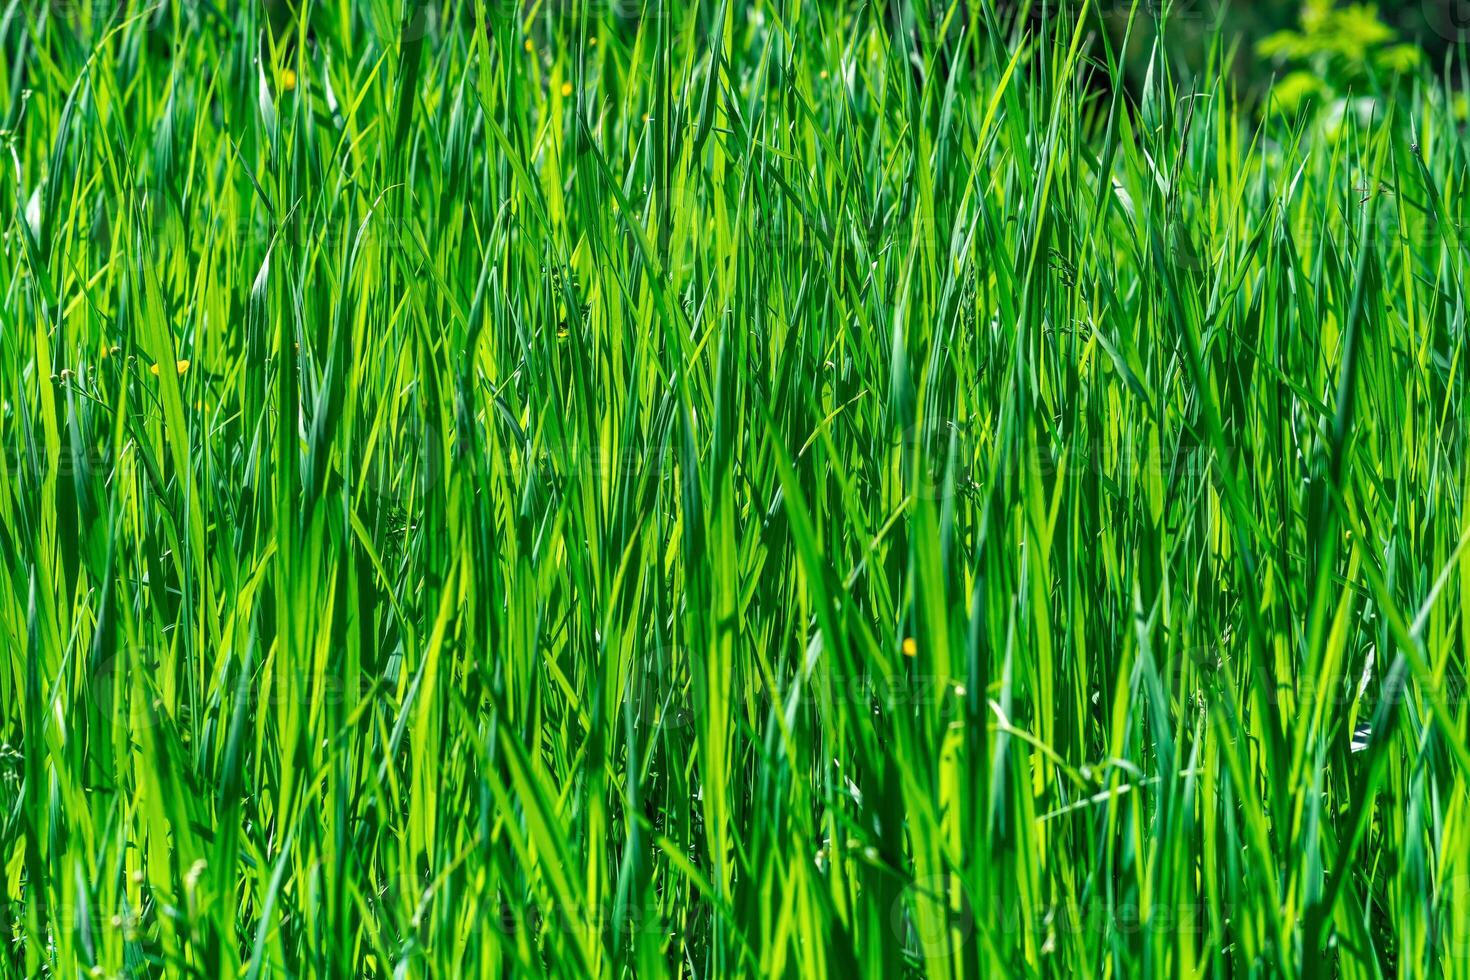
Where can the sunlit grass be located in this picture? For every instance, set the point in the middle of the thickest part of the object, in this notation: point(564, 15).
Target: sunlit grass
point(772, 489)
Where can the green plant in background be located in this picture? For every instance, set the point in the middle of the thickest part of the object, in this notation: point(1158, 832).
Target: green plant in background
point(1338, 54)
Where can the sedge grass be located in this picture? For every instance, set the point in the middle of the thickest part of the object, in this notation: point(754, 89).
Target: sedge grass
point(722, 489)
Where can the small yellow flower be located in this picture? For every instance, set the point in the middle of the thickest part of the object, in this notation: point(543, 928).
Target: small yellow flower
point(529, 46)
point(592, 42)
point(566, 89)
point(182, 366)
point(288, 79)
point(910, 647)
point(824, 74)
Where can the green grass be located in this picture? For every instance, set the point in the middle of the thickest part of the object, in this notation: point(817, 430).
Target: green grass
point(736, 490)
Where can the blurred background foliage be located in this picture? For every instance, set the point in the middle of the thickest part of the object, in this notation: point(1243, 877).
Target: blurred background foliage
point(1291, 54)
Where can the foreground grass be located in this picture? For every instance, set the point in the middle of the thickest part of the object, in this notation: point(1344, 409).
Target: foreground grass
point(721, 492)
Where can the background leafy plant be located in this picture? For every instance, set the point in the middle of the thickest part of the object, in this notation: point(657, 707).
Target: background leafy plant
point(1339, 51)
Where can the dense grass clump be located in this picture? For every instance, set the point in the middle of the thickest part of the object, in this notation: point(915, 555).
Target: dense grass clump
point(719, 488)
